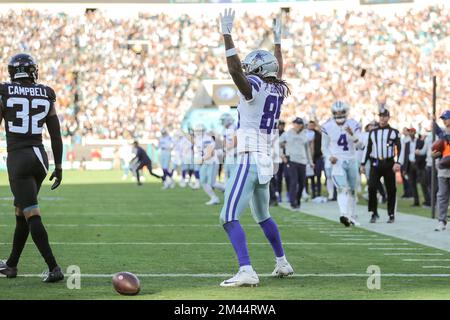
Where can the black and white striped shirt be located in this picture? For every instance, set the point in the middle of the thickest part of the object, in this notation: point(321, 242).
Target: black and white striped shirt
point(381, 144)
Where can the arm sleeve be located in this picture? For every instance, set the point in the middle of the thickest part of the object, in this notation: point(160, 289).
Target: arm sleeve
point(308, 153)
point(325, 145)
point(368, 150)
point(400, 150)
point(54, 130)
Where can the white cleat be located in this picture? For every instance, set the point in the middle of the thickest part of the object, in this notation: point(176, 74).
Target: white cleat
point(242, 279)
point(213, 201)
point(355, 223)
point(165, 185)
point(182, 183)
point(442, 226)
point(172, 183)
point(195, 185)
point(282, 270)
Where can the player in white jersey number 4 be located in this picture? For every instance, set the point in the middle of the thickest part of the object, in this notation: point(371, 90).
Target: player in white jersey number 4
point(261, 94)
point(340, 136)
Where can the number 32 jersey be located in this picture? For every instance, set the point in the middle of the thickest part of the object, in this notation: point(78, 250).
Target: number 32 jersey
point(258, 117)
point(24, 108)
point(341, 144)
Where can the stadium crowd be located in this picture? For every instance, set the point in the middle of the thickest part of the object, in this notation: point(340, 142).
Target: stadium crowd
point(130, 77)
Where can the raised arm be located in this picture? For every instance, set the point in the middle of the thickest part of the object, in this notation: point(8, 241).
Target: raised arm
point(233, 61)
point(277, 42)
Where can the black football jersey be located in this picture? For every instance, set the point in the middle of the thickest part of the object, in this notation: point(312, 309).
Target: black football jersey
point(24, 109)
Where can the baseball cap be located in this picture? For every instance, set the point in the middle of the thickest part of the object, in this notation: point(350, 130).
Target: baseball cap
point(412, 130)
point(445, 115)
point(384, 112)
point(298, 121)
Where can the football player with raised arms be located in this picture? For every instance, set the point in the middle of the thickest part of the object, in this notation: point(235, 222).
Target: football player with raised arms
point(262, 91)
point(26, 106)
point(339, 140)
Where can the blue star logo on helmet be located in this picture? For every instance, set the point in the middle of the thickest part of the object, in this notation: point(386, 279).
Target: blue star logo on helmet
point(259, 56)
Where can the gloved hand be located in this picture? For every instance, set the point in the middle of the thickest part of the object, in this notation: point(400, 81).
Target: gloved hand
point(57, 175)
point(277, 30)
point(226, 21)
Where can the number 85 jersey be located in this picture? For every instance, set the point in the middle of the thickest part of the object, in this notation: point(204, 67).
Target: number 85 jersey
point(25, 108)
point(258, 117)
point(340, 143)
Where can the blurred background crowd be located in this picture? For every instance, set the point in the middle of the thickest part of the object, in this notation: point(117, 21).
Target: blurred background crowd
point(129, 77)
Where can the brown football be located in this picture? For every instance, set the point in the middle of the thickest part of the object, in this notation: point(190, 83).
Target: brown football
point(126, 283)
point(438, 145)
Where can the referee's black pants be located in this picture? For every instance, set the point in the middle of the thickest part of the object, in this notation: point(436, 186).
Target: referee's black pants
point(297, 180)
point(382, 169)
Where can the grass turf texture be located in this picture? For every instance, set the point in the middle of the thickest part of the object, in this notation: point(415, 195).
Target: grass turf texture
point(93, 210)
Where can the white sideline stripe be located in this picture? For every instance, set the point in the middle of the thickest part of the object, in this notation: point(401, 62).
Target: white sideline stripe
point(220, 244)
point(436, 267)
point(39, 156)
point(395, 249)
point(413, 254)
point(264, 275)
point(363, 239)
point(353, 236)
point(147, 225)
point(425, 260)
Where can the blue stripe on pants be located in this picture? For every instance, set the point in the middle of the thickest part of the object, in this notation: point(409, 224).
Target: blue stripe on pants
point(241, 187)
point(234, 187)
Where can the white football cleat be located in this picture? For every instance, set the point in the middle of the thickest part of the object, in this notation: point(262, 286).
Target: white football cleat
point(172, 183)
point(283, 269)
point(213, 201)
point(355, 223)
point(182, 183)
point(195, 185)
point(165, 185)
point(242, 279)
point(442, 226)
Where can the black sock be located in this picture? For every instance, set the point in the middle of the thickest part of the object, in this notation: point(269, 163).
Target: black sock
point(40, 238)
point(19, 240)
point(138, 177)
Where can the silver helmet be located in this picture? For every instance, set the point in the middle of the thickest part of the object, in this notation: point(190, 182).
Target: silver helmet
point(340, 111)
point(261, 63)
point(226, 120)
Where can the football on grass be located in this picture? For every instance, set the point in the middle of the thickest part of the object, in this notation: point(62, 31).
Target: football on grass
point(126, 283)
point(438, 145)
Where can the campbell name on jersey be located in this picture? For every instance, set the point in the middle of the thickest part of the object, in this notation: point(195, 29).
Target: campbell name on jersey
point(25, 108)
point(258, 117)
point(341, 144)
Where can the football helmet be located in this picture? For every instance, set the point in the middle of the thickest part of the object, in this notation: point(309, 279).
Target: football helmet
point(21, 66)
point(262, 63)
point(199, 128)
point(340, 111)
point(226, 120)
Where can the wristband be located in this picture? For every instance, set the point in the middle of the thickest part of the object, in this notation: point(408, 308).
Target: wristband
point(230, 52)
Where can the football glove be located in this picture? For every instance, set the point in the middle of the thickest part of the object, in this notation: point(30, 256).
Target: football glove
point(277, 30)
point(226, 20)
point(57, 175)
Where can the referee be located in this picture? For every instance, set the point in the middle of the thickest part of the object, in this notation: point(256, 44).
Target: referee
point(384, 162)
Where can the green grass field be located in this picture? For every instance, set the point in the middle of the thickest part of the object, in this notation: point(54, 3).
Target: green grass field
point(104, 225)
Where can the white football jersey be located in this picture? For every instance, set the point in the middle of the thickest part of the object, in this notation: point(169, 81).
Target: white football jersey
point(341, 144)
point(258, 118)
point(165, 143)
point(201, 143)
point(228, 138)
